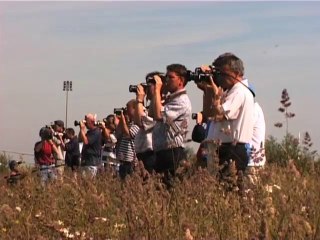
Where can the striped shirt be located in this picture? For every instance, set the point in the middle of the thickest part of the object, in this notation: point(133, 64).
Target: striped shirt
point(125, 147)
point(171, 132)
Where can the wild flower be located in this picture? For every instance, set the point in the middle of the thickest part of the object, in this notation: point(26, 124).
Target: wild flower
point(38, 215)
point(285, 104)
point(101, 218)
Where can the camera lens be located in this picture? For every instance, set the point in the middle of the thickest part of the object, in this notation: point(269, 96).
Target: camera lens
point(133, 88)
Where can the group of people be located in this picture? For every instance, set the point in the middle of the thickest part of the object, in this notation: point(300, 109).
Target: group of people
point(152, 128)
point(153, 134)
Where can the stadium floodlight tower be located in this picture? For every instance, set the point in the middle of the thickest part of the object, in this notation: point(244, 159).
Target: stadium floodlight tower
point(67, 86)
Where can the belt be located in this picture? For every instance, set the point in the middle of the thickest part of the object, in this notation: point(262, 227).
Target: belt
point(234, 144)
point(46, 166)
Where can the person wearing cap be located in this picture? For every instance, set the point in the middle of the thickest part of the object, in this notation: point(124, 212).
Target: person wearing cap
point(92, 143)
point(58, 129)
point(230, 105)
point(43, 152)
point(15, 175)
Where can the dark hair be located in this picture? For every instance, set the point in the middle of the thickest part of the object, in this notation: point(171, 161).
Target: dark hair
point(70, 131)
point(110, 119)
point(151, 74)
point(232, 61)
point(180, 70)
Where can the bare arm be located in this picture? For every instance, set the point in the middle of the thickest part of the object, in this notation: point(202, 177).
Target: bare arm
point(124, 127)
point(105, 131)
point(54, 147)
point(82, 133)
point(139, 110)
point(157, 99)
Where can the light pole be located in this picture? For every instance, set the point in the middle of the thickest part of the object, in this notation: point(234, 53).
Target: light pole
point(67, 86)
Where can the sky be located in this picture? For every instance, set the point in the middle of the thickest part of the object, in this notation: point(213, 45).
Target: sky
point(103, 47)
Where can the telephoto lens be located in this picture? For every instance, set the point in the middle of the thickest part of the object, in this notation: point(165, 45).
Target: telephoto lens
point(150, 79)
point(77, 123)
point(98, 123)
point(118, 111)
point(194, 116)
point(133, 88)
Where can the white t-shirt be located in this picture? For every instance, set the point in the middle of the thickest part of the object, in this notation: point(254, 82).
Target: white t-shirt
point(258, 157)
point(143, 139)
point(238, 107)
point(109, 148)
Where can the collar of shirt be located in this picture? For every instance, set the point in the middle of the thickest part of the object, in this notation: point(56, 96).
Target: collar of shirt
point(175, 94)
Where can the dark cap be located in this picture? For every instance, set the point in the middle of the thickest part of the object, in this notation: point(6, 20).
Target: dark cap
point(12, 164)
point(59, 123)
point(42, 130)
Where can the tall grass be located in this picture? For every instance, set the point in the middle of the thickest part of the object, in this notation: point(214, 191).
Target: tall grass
point(283, 205)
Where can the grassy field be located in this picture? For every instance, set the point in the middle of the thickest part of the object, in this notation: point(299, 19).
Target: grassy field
point(283, 204)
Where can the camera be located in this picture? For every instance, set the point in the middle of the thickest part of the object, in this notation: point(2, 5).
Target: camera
point(57, 134)
point(77, 123)
point(134, 88)
point(99, 123)
point(150, 79)
point(49, 126)
point(199, 76)
point(194, 116)
point(118, 111)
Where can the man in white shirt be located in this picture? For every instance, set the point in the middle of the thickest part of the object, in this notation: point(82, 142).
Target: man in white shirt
point(258, 158)
point(232, 110)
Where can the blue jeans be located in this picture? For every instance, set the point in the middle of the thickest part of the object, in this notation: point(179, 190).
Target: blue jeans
point(47, 172)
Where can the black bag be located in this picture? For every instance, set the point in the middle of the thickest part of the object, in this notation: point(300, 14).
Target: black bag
point(198, 133)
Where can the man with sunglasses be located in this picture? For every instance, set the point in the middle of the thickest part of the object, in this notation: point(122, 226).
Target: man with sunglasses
point(230, 105)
